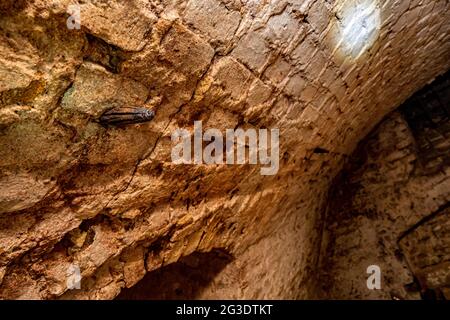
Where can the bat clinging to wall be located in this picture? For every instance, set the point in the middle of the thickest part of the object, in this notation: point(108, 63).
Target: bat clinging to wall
point(126, 115)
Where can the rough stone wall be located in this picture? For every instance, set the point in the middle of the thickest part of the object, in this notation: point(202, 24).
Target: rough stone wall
point(387, 209)
point(111, 201)
point(425, 248)
point(427, 113)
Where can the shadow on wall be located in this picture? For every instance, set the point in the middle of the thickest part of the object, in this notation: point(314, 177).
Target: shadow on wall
point(185, 279)
point(428, 117)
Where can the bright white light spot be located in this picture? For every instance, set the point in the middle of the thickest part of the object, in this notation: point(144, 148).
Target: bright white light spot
point(360, 24)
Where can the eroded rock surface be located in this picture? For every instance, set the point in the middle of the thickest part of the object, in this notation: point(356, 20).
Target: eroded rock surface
point(110, 200)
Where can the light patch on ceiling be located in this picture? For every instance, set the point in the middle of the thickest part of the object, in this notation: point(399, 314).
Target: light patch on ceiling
point(359, 26)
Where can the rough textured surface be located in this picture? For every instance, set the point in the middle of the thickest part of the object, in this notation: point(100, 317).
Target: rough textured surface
point(387, 209)
point(427, 114)
point(112, 202)
point(427, 252)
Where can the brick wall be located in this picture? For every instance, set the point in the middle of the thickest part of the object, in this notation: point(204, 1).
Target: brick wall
point(107, 199)
point(389, 207)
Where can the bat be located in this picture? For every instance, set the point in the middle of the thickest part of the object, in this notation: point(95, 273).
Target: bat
point(126, 115)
